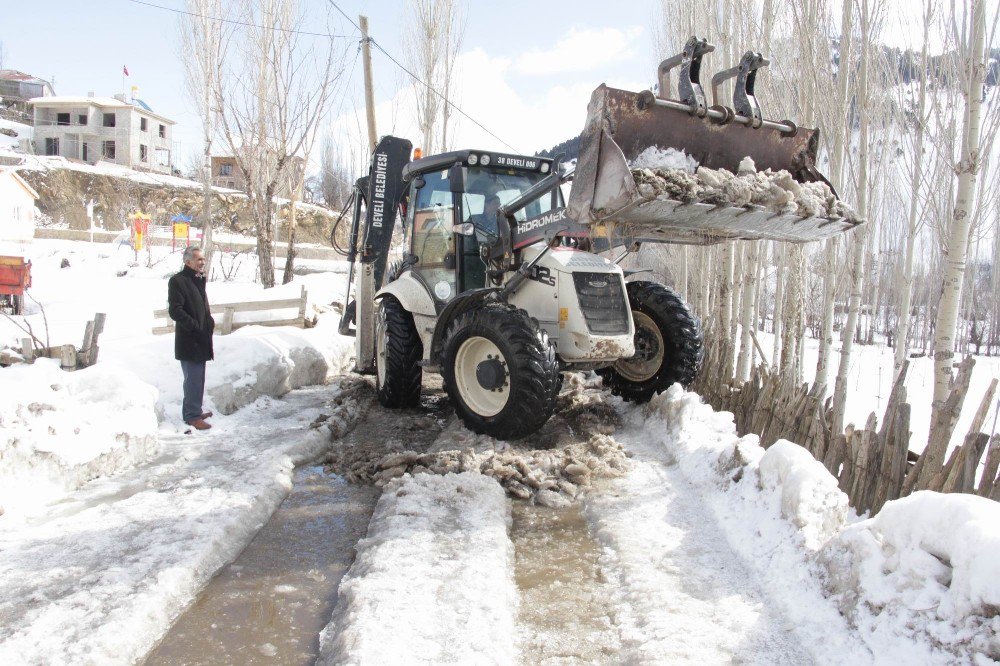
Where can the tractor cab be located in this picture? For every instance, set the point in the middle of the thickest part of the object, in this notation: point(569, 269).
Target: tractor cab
point(453, 200)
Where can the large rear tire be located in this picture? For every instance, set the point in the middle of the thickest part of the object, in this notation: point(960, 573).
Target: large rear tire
point(500, 371)
point(668, 343)
point(398, 351)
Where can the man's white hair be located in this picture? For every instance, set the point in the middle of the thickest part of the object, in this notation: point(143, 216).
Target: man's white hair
point(189, 252)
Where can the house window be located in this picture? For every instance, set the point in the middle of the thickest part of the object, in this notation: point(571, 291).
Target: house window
point(51, 146)
point(143, 153)
point(108, 150)
point(85, 153)
point(81, 119)
point(226, 170)
point(62, 119)
point(163, 131)
point(109, 120)
point(143, 125)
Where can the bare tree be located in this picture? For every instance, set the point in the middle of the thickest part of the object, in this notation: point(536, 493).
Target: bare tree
point(202, 39)
point(435, 29)
point(273, 92)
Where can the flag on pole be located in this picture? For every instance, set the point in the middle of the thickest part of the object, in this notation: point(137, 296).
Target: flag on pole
point(124, 70)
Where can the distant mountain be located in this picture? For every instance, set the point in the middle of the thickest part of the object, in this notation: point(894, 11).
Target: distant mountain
point(570, 148)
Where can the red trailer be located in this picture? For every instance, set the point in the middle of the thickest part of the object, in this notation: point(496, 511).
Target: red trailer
point(15, 277)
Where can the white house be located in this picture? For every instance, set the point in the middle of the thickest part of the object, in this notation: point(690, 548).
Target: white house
point(107, 129)
point(17, 212)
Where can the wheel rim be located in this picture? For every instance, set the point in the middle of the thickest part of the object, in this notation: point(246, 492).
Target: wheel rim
point(474, 356)
point(380, 344)
point(649, 351)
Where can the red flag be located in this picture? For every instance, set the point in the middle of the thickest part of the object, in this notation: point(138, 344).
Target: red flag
point(125, 70)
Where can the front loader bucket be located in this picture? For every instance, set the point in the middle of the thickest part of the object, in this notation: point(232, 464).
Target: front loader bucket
point(622, 124)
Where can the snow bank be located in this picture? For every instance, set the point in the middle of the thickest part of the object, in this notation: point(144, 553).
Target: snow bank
point(432, 581)
point(928, 561)
point(919, 582)
point(253, 361)
point(59, 429)
point(810, 496)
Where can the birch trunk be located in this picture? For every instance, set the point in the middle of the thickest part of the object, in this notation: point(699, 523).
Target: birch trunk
point(858, 241)
point(958, 237)
point(837, 175)
point(747, 317)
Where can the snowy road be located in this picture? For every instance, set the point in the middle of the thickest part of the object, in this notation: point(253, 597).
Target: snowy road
point(683, 595)
point(670, 559)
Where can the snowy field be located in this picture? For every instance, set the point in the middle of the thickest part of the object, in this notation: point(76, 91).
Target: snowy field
point(714, 549)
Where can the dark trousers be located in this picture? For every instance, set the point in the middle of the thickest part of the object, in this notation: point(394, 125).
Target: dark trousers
point(194, 389)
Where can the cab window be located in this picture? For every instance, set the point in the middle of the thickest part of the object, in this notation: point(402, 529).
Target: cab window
point(433, 242)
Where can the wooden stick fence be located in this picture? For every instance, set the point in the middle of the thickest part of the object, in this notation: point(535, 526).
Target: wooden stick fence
point(227, 324)
point(872, 464)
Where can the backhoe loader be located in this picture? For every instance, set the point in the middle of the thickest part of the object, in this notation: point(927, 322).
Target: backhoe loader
point(503, 285)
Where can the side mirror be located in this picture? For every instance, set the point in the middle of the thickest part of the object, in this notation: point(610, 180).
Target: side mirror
point(465, 229)
point(456, 178)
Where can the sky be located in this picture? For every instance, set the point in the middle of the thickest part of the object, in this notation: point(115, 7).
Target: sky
point(526, 71)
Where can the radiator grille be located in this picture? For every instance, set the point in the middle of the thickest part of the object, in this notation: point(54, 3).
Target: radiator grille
point(603, 302)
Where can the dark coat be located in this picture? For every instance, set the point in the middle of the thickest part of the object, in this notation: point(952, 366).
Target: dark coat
point(188, 306)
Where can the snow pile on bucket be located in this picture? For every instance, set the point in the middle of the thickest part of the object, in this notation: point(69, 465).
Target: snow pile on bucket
point(776, 191)
point(920, 581)
point(60, 429)
point(655, 157)
point(432, 580)
point(551, 467)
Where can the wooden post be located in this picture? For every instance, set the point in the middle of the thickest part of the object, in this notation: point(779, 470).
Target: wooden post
point(88, 342)
point(302, 306)
point(227, 320)
point(67, 357)
point(992, 463)
point(27, 351)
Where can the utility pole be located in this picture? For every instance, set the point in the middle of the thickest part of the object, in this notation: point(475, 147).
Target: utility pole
point(366, 51)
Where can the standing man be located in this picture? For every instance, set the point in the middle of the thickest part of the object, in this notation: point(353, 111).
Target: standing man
point(188, 306)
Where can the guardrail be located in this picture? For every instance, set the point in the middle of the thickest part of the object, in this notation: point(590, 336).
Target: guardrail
point(228, 311)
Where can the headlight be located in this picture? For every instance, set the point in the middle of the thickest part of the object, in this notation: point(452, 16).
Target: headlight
point(474, 160)
point(545, 167)
point(485, 160)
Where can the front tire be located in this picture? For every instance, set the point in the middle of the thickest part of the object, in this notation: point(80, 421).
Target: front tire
point(668, 344)
point(398, 351)
point(500, 371)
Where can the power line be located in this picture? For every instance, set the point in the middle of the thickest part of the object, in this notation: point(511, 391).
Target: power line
point(241, 23)
point(422, 82)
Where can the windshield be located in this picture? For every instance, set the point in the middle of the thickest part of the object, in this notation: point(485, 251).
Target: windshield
point(488, 189)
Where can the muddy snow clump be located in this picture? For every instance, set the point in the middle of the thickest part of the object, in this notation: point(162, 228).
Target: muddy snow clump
point(775, 191)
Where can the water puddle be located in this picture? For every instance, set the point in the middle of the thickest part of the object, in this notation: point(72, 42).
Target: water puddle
point(270, 604)
point(565, 611)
